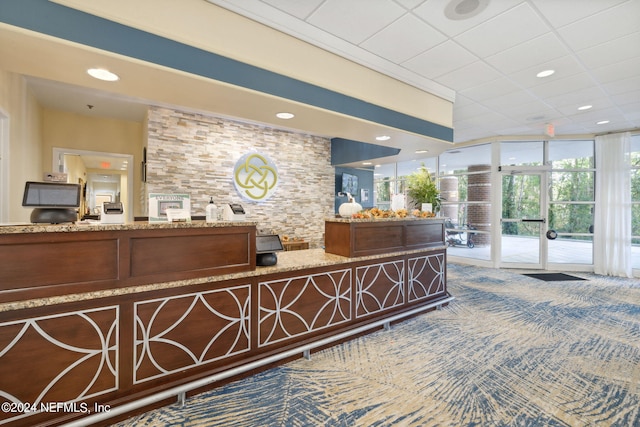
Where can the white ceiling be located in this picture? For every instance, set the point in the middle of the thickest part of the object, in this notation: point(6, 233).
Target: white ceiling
point(491, 59)
point(487, 62)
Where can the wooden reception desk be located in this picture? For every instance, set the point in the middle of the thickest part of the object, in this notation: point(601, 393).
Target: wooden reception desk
point(95, 318)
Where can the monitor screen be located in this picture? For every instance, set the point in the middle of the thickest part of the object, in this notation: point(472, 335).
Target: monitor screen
point(269, 243)
point(349, 183)
point(51, 195)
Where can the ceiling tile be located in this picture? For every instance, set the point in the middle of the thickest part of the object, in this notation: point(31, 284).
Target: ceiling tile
point(440, 60)
point(504, 31)
point(355, 20)
point(564, 66)
point(518, 130)
point(626, 98)
point(563, 12)
point(622, 86)
point(534, 111)
point(468, 111)
point(407, 4)
point(299, 9)
point(571, 101)
point(571, 128)
point(563, 85)
point(403, 39)
point(617, 70)
point(608, 25)
point(633, 112)
point(590, 118)
point(488, 120)
point(492, 89)
point(592, 115)
point(432, 12)
point(528, 54)
point(508, 101)
point(471, 75)
point(612, 51)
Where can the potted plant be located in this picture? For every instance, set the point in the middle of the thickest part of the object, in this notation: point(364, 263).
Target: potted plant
point(422, 189)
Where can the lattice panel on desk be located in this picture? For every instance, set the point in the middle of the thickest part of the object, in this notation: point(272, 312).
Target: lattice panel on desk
point(426, 276)
point(295, 306)
point(179, 332)
point(68, 357)
point(379, 287)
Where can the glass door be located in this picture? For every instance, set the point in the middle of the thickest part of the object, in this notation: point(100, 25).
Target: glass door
point(523, 219)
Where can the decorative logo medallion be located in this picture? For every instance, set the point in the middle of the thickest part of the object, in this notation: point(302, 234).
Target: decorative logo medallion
point(255, 177)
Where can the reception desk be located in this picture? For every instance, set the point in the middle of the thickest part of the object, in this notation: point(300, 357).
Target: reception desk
point(183, 304)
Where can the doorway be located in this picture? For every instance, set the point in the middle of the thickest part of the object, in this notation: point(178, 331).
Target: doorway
point(107, 173)
point(523, 219)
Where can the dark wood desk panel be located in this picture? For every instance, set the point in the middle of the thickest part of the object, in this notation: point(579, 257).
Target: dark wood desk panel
point(153, 340)
point(354, 238)
point(54, 263)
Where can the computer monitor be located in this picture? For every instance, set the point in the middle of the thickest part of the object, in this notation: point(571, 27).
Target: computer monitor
point(54, 202)
point(51, 195)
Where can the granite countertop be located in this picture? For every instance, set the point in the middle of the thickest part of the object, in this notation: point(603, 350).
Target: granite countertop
point(96, 226)
point(287, 261)
point(395, 219)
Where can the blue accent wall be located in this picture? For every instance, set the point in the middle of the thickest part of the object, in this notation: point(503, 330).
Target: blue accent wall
point(348, 151)
point(59, 21)
point(365, 180)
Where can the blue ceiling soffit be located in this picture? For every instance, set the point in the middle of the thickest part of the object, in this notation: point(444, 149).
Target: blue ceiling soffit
point(345, 151)
point(45, 17)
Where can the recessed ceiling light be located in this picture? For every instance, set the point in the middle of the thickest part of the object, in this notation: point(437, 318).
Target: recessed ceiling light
point(102, 74)
point(602, 122)
point(545, 73)
point(383, 138)
point(585, 107)
point(421, 151)
point(458, 10)
point(367, 163)
point(285, 116)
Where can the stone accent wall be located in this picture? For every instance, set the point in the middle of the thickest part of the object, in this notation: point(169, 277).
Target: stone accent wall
point(196, 154)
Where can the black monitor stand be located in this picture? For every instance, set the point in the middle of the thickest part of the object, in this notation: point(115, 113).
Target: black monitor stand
point(54, 215)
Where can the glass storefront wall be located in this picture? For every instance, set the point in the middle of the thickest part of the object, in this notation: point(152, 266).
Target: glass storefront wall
point(465, 186)
point(384, 185)
point(464, 179)
point(571, 201)
point(635, 201)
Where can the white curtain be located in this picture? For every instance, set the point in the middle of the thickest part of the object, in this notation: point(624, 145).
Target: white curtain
point(612, 222)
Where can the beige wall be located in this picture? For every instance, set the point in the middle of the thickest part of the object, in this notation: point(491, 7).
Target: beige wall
point(75, 131)
point(25, 136)
point(215, 29)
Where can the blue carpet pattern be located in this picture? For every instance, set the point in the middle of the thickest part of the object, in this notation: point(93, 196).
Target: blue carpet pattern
point(509, 351)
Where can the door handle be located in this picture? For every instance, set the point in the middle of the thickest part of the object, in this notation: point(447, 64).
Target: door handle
point(534, 220)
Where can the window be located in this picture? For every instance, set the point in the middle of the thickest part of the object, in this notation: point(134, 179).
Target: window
point(384, 184)
point(571, 200)
point(528, 153)
point(465, 187)
point(389, 180)
point(635, 201)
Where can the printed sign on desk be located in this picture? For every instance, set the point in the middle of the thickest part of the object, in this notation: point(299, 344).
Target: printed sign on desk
point(159, 203)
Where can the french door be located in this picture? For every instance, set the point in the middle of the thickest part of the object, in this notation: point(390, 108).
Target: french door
point(523, 219)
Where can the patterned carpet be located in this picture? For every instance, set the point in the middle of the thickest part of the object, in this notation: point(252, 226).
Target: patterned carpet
point(509, 351)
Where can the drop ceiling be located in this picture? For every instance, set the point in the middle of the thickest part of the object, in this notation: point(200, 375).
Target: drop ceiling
point(489, 59)
point(486, 61)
